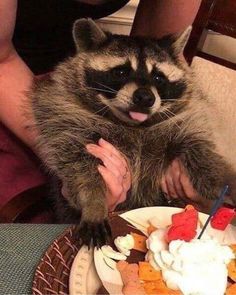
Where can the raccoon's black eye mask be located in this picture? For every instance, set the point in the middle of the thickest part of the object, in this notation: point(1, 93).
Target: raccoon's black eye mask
point(167, 89)
point(121, 72)
point(109, 82)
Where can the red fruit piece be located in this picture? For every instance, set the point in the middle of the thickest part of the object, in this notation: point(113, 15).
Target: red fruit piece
point(180, 232)
point(222, 218)
point(184, 225)
point(185, 217)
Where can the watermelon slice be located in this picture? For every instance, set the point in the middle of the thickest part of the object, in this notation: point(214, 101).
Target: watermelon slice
point(222, 218)
point(184, 225)
point(180, 233)
point(186, 217)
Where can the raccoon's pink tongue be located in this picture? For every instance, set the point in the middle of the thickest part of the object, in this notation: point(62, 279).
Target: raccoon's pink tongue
point(138, 116)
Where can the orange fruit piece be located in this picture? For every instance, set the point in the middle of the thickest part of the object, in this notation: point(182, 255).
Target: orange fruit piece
point(154, 287)
point(129, 275)
point(159, 287)
point(189, 207)
point(232, 270)
point(139, 242)
point(151, 228)
point(231, 290)
point(147, 272)
point(233, 247)
point(128, 271)
point(133, 288)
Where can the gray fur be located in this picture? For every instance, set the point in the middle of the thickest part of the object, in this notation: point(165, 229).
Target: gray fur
point(182, 40)
point(87, 35)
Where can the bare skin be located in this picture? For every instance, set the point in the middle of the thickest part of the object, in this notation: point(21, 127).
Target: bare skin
point(169, 16)
point(160, 18)
point(115, 171)
point(176, 184)
point(15, 77)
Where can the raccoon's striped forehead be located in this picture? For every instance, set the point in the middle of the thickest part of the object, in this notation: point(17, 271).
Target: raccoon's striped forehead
point(104, 62)
point(142, 54)
point(141, 65)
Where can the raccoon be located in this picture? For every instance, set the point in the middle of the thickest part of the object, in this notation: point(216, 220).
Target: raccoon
point(139, 95)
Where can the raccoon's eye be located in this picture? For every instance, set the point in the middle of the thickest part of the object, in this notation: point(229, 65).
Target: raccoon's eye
point(158, 77)
point(120, 72)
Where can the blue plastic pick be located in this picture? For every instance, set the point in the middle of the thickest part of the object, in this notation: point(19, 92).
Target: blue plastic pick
point(215, 207)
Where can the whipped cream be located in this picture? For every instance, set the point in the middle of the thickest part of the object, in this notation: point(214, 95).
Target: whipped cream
point(110, 253)
point(124, 244)
point(156, 241)
point(198, 267)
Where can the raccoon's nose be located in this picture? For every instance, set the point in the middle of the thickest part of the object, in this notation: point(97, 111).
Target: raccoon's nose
point(143, 97)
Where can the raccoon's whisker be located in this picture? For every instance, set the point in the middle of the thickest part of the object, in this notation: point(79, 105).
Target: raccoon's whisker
point(112, 90)
point(175, 99)
point(100, 89)
point(109, 88)
point(163, 119)
point(173, 114)
point(169, 112)
point(168, 115)
point(171, 118)
point(102, 109)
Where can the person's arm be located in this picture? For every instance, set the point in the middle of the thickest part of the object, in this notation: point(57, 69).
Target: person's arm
point(157, 18)
point(15, 78)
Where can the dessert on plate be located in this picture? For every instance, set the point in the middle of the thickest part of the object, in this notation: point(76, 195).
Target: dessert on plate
point(172, 259)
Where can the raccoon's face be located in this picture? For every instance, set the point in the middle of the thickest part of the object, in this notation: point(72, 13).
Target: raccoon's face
point(130, 79)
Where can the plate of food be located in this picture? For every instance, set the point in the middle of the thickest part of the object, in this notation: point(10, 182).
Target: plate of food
point(67, 268)
point(156, 250)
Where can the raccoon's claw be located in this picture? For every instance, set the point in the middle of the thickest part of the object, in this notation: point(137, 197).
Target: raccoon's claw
point(94, 234)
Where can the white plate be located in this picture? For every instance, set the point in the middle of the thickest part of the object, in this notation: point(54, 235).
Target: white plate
point(83, 276)
point(110, 276)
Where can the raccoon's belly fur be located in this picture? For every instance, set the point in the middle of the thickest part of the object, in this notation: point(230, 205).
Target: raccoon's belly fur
point(148, 151)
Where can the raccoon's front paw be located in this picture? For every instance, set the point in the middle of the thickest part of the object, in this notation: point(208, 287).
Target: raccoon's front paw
point(93, 234)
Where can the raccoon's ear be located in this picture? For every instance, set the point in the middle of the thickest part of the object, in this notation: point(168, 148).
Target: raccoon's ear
point(87, 35)
point(181, 40)
point(176, 42)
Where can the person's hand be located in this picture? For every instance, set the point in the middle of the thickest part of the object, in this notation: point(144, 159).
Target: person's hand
point(114, 171)
point(176, 184)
